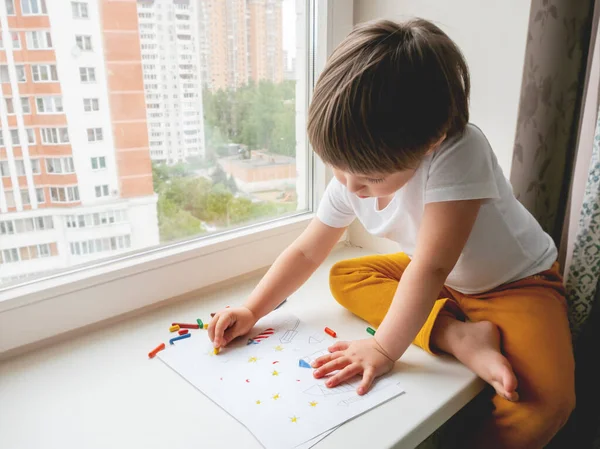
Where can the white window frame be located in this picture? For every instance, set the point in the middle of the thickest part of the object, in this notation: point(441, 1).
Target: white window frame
point(91, 105)
point(100, 291)
point(60, 165)
point(40, 6)
point(84, 75)
point(77, 9)
point(55, 135)
point(51, 105)
point(38, 40)
point(84, 42)
point(99, 162)
point(38, 73)
point(12, 35)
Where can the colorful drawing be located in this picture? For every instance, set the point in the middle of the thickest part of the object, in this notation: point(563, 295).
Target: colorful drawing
point(278, 348)
point(303, 364)
point(276, 396)
point(262, 336)
point(314, 356)
point(313, 403)
point(294, 419)
point(276, 361)
point(290, 333)
point(275, 373)
point(252, 359)
point(258, 402)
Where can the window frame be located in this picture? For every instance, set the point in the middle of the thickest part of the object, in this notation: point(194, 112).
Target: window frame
point(101, 290)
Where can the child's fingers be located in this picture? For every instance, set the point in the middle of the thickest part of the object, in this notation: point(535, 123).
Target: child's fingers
point(339, 346)
point(367, 380)
point(334, 365)
point(224, 321)
point(229, 335)
point(325, 358)
point(345, 374)
point(211, 327)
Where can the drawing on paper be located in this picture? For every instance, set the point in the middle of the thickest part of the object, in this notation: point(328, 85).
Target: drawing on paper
point(279, 348)
point(275, 373)
point(309, 359)
point(316, 338)
point(313, 403)
point(290, 333)
point(252, 359)
point(262, 336)
point(322, 390)
point(276, 396)
point(294, 419)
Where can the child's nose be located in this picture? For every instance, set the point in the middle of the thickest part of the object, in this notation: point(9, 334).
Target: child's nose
point(353, 186)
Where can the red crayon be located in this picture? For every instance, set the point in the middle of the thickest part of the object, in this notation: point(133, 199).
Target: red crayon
point(156, 350)
point(183, 331)
point(330, 332)
point(187, 326)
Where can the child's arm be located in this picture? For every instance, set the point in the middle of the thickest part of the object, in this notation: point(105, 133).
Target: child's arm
point(444, 231)
point(289, 271)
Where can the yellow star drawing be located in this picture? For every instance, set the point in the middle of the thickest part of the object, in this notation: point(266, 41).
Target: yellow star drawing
point(279, 348)
point(276, 396)
point(294, 419)
point(258, 402)
point(313, 403)
point(252, 359)
point(275, 372)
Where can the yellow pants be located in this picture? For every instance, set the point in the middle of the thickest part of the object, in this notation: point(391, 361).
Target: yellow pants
point(531, 315)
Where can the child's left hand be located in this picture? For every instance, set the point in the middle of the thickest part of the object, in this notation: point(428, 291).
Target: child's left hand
point(352, 358)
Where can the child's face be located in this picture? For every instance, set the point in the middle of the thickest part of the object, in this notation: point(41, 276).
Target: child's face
point(373, 185)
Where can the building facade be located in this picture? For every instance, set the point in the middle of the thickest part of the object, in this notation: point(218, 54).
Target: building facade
point(76, 176)
point(170, 48)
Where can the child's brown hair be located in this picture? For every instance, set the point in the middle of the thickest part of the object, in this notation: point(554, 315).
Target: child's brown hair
point(388, 93)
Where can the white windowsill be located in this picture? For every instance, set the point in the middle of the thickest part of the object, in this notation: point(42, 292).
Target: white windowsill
point(101, 388)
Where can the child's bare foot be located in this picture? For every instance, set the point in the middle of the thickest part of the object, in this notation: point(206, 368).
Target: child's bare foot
point(477, 345)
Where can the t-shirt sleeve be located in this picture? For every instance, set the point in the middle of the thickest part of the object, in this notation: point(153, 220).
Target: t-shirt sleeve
point(463, 169)
point(335, 210)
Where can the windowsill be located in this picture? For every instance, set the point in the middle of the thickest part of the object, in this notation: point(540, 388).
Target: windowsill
point(101, 383)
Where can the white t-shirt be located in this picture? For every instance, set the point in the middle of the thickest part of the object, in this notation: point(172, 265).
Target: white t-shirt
point(506, 243)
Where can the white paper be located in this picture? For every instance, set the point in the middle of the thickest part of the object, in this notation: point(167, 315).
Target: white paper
point(261, 384)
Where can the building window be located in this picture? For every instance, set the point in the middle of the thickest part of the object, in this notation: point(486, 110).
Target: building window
point(60, 165)
point(100, 245)
point(35, 167)
point(91, 105)
point(4, 171)
point(38, 40)
point(33, 7)
point(98, 163)
point(10, 198)
point(54, 136)
point(16, 42)
point(80, 10)
point(41, 197)
point(94, 135)
point(16, 140)
point(96, 219)
point(84, 42)
point(49, 105)
point(10, 7)
point(25, 197)
point(10, 108)
point(64, 194)
point(87, 74)
point(43, 73)
point(19, 70)
point(102, 191)
point(10, 255)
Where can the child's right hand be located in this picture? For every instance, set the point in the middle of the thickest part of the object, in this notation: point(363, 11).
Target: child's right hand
point(229, 324)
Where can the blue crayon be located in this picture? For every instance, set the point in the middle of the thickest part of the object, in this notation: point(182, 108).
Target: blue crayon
point(181, 337)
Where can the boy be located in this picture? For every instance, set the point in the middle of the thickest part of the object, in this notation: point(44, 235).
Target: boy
point(477, 277)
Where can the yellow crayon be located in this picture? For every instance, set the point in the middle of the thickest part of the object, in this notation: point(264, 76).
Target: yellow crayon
point(216, 351)
point(206, 326)
point(174, 328)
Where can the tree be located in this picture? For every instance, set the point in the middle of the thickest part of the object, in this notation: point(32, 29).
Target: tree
point(219, 176)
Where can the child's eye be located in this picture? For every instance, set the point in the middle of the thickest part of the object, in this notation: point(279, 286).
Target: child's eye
point(375, 180)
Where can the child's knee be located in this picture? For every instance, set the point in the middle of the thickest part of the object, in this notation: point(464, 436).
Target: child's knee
point(338, 279)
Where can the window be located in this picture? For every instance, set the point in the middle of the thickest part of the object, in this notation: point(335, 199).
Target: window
point(10, 7)
point(10, 255)
point(54, 136)
point(80, 10)
point(33, 7)
point(94, 135)
point(101, 191)
point(25, 197)
point(16, 42)
point(38, 40)
point(206, 157)
point(84, 42)
point(87, 74)
point(4, 171)
point(35, 167)
point(10, 198)
point(64, 194)
point(117, 243)
point(59, 165)
point(14, 135)
point(10, 109)
point(98, 163)
point(19, 72)
point(41, 197)
point(90, 105)
point(49, 105)
point(96, 219)
point(43, 73)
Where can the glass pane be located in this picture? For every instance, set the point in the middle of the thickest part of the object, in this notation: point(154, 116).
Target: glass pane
point(216, 142)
